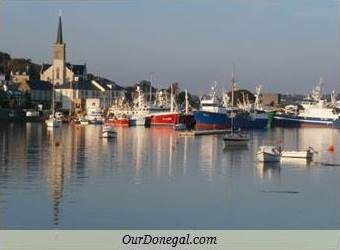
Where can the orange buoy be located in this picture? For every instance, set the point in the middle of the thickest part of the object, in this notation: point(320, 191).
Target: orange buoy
point(331, 148)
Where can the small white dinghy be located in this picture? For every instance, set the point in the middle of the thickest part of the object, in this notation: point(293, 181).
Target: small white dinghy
point(305, 154)
point(268, 154)
point(108, 132)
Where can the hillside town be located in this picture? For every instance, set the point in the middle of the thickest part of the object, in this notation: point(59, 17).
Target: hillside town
point(29, 87)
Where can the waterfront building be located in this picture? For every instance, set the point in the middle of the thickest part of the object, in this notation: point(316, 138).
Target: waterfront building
point(73, 95)
point(40, 92)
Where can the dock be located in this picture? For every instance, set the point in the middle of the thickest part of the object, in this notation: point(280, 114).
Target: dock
point(204, 132)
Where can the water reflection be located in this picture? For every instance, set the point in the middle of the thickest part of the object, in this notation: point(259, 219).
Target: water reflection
point(268, 170)
point(153, 177)
point(296, 162)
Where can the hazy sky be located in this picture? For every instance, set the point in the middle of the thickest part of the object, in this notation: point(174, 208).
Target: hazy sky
point(286, 45)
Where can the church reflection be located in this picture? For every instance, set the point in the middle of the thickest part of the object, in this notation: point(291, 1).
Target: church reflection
point(63, 160)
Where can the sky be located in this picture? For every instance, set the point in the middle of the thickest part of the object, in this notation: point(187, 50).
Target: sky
point(285, 45)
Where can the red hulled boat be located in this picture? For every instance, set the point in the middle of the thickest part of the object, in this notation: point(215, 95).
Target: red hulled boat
point(119, 122)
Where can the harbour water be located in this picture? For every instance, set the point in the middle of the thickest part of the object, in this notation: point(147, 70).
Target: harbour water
point(150, 178)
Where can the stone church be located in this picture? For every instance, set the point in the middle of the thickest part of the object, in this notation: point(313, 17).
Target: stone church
point(61, 72)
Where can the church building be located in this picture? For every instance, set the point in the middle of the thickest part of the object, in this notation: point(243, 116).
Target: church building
point(60, 72)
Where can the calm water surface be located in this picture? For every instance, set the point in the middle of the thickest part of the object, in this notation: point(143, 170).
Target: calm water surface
point(150, 178)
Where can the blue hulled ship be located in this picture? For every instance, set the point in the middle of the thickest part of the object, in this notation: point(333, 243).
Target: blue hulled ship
point(313, 111)
point(214, 113)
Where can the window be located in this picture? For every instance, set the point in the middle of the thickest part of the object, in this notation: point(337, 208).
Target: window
point(58, 73)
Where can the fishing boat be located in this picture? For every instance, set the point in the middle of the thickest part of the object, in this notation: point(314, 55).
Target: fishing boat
point(52, 121)
point(108, 132)
point(313, 111)
point(305, 154)
point(248, 116)
point(165, 116)
point(268, 154)
point(95, 116)
point(118, 121)
point(215, 112)
point(212, 113)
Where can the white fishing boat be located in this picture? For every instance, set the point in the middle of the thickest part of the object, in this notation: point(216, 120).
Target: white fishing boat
point(305, 154)
point(268, 154)
point(313, 111)
point(108, 132)
point(95, 116)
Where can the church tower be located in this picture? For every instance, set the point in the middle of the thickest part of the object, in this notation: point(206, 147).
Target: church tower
point(59, 54)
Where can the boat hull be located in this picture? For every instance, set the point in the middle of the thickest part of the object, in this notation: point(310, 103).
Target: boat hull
point(137, 121)
point(267, 157)
point(297, 154)
point(119, 122)
point(211, 120)
point(163, 119)
point(296, 122)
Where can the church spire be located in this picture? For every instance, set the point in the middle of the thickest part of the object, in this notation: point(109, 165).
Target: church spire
point(60, 31)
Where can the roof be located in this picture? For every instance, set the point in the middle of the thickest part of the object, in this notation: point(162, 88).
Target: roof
point(39, 85)
point(60, 33)
point(44, 67)
point(102, 84)
point(81, 85)
point(106, 82)
point(78, 69)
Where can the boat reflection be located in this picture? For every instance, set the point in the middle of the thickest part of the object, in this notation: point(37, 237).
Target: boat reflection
point(268, 170)
point(235, 148)
point(296, 162)
point(207, 154)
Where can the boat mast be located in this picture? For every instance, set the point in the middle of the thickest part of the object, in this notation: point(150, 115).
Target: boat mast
point(171, 99)
point(150, 89)
point(53, 100)
point(186, 102)
point(71, 101)
point(232, 85)
point(232, 98)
